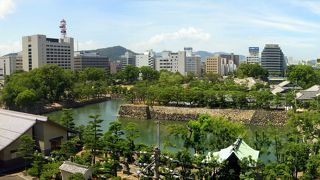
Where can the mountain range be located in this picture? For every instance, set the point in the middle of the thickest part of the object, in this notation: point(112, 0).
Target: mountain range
point(115, 52)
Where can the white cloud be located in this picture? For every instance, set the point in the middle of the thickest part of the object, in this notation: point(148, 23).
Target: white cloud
point(10, 47)
point(188, 35)
point(88, 45)
point(6, 7)
point(312, 5)
point(287, 23)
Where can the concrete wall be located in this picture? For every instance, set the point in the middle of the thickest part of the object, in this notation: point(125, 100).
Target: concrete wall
point(252, 117)
point(52, 131)
point(45, 131)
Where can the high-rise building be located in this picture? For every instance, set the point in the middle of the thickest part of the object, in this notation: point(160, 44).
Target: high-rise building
point(193, 62)
point(220, 65)
point(38, 50)
point(115, 66)
point(128, 59)
point(213, 64)
point(146, 59)
point(83, 59)
point(189, 51)
point(174, 62)
point(10, 64)
point(253, 57)
point(272, 59)
point(193, 65)
point(234, 58)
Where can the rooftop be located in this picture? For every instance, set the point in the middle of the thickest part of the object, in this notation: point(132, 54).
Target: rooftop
point(239, 148)
point(14, 124)
point(74, 167)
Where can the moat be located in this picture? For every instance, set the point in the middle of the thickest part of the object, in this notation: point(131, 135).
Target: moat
point(109, 112)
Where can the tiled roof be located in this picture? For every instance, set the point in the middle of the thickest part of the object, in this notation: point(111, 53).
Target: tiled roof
point(73, 167)
point(14, 124)
point(308, 94)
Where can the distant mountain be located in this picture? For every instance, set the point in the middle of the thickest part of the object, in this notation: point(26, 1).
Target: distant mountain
point(10, 54)
point(113, 53)
point(205, 54)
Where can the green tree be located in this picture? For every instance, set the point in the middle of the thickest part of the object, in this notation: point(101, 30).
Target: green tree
point(251, 70)
point(214, 78)
point(115, 145)
point(26, 99)
point(92, 135)
point(26, 148)
point(55, 81)
point(149, 74)
point(93, 74)
point(304, 75)
point(37, 164)
point(67, 120)
point(131, 134)
point(130, 74)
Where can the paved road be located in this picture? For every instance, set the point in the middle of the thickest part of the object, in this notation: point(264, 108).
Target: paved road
point(11, 177)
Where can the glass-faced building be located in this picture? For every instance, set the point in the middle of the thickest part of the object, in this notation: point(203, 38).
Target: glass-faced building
point(273, 60)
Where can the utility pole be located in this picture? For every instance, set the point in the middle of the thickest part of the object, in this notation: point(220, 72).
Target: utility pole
point(157, 154)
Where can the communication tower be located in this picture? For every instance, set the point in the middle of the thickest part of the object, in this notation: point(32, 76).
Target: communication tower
point(63, 28)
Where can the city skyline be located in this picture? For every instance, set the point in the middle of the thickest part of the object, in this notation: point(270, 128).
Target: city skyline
point(230, 26)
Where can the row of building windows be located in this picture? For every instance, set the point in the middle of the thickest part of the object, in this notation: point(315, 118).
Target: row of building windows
point(68, 50)
point(58, 46)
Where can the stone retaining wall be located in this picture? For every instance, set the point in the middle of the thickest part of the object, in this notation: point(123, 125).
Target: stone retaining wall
point(134, 111)
point(253, 117)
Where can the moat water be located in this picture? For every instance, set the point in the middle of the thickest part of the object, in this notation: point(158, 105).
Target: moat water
point(109, 113)
point(148, 128)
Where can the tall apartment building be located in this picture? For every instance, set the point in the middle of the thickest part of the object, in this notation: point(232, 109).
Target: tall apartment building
point(10, 64)
point(220, 65)
point(128, 59)
point(272, 59)
point(38, 50)
point(234, 58)
point(253, 57)
point(193, 62)
point(84, 59)
point(146, 59)
point(174, 62)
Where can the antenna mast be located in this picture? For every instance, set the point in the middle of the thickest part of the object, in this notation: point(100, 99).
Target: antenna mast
point(63, 28)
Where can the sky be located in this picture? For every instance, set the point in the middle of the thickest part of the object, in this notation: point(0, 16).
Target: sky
point(210, 25)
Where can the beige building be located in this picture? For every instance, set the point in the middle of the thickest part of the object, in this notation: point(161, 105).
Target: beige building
point(47, 134)
point(10, 64)
point(220, 65)
point(38, 50)
point(213, 64)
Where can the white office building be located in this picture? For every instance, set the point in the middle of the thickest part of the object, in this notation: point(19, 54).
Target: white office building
point(146, 59)
point(10, 64)
point(253, 57)
point(38, 50)
point(174, 62)
point(128, 59)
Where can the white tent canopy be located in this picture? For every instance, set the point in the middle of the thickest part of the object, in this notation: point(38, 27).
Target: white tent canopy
point(239, 148)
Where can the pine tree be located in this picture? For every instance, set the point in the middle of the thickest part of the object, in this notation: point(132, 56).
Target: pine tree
point(68, 121)
point(26, 148)
point(93, 134)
